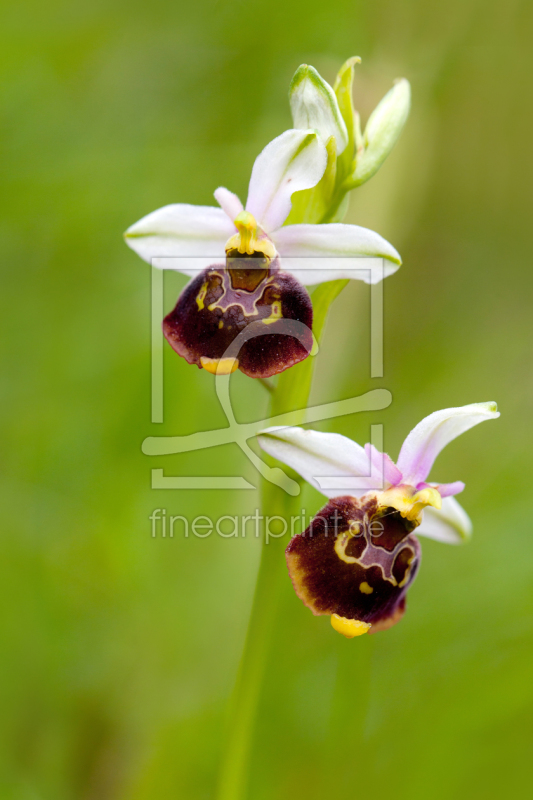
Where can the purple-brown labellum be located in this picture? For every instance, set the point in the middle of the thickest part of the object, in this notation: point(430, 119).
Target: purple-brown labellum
point(217, 305)
point(357, 560)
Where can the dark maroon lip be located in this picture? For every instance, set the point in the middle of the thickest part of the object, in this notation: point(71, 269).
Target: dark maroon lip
point(344, 564)
point(218, 304)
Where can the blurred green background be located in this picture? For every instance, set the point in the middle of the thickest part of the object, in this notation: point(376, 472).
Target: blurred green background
point(119, 651)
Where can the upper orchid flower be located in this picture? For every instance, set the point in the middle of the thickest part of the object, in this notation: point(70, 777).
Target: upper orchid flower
point(359, 555)
point(252, 286)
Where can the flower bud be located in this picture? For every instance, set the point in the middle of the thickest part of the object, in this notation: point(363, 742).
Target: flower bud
point(343, 89)
point(382, 131)
point(314, 106)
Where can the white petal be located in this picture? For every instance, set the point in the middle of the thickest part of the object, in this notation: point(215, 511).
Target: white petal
point(425, 442)
point(229, 202)
point(450, 524)
point(328, 252)
point(181, 237)
point(342, 463)
point(294, 161)
point(314, 106)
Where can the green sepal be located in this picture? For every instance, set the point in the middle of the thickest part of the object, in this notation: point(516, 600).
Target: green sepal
point(338, 214)
point(314, 106)
point(381, 133)
point(343, 89)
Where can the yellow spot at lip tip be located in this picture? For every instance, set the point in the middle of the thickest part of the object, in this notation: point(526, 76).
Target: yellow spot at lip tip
point(219, 366)
point(349, 627)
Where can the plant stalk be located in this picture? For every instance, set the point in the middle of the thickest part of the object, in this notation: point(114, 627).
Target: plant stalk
point(272, 570)
point(291, 393)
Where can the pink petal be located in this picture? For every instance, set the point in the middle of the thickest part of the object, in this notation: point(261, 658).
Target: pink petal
point(449, 489)
point(430, 436)
point(384, 465)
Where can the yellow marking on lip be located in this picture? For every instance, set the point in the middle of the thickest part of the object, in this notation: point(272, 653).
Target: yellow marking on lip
point(219, 366)
point(221, 324)
point(200, 297)
point(341, 543)
point(407, 572)
point(365, 588)
point(275, 314)
point(349, 627)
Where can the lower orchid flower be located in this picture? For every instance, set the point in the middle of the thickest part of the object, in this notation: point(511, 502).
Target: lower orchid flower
point(248, 283)
point(359, 555)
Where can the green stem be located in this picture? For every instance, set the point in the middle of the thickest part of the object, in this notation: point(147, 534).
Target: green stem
point(272, 570)
point(291, 393)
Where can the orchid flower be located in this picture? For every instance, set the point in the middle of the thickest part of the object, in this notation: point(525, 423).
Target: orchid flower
point(359, 556)
point(252, 285)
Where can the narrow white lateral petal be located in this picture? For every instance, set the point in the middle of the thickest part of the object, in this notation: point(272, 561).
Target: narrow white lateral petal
point(315, 455)
point(430, 436)
point(228, 202)
point(181, 237)
point(294, 161)
point(314, 106)
point(450, 524)
point(318, 253)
